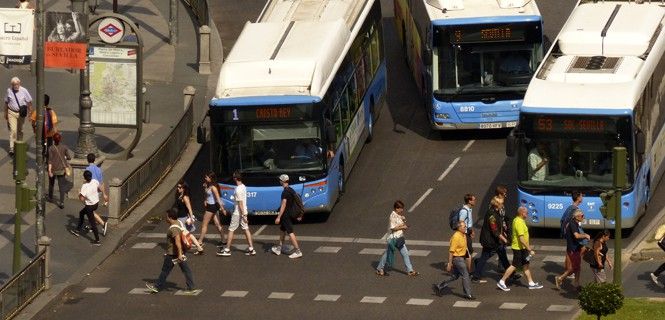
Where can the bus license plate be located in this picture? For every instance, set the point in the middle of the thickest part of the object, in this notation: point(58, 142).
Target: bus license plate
point(490, 126)
point(511, 124)
point(266, 213)
point(595, 222)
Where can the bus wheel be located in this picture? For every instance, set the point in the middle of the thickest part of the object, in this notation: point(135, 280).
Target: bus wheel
point(370, 126)
point(340, 180)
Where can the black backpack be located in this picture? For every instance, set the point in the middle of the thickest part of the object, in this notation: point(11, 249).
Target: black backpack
point(453, 218)
point(297, 207)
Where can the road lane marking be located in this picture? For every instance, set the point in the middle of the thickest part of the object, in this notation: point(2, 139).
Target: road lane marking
point(144, 245)
point(96, 290)
point(139, 291)
point(466, 304)
point(559, 308)
point(468, 145)
point(419, 253)
point(372, 251)
point(324, 249)
point(421, 199)
point(258, 232)
point(187, 293)
point(512, 306)
point(327, 297)
point(234, 294)
point(557, 259)
point(368, 299)
point(281, 295)
point(447, 171)
point(419, 302)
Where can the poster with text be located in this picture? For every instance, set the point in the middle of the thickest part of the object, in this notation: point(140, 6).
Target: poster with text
point(16, 35)
point(113, 85)
point(65, 45)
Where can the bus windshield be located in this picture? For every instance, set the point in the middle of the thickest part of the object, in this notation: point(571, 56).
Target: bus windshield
point(560, 152)
point(271, 148)
point(488, 58)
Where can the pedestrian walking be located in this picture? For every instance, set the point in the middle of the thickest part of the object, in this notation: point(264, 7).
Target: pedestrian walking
point(573, 236)
point(238, 218)
point(466, 215)
point(18, 104)
point(600, 256)
point(660, 236)
point(457, 262)
point(89, 195)
point(50, 124)
point(174, 255)
point(59, 155)
point(98, 175)
point(493, 238)
point(396, 241)
point(183, 206)
point(285, 219)
point(213, 205)
point(566, 217)
point(522, 251)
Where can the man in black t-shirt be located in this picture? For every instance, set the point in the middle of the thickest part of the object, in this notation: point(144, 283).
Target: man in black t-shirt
point(573, 235)
point(284, 219)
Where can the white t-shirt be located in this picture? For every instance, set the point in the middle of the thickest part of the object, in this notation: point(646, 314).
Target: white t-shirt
point(90, 193)
point(534, 160)
point(395, 220)
point(240, 195)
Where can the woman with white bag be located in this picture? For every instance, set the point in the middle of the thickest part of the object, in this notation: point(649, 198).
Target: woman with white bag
point(185, 215)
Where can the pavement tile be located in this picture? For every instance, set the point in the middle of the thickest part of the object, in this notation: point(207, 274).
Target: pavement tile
point(327, 297)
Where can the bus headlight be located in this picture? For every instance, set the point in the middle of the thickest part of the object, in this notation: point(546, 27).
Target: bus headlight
point(442, 116)
point(225, 194)
point(307, 195)
point(532, 206)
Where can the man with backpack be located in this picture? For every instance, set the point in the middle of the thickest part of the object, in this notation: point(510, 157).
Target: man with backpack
point(465, 214)
point(291, 205)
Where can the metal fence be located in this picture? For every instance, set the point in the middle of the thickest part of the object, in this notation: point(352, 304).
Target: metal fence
point(23, 287)
point(145, 178)
point(200, 10)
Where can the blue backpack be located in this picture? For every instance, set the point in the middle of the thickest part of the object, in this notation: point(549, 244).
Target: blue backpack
point(565, 219)
point(453, 218)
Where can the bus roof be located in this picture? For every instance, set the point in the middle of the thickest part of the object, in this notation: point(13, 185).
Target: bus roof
point(293, 49)
point(459, 12)
point(602, 59)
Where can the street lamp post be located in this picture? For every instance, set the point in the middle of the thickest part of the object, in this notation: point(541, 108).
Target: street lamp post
point(40, 229)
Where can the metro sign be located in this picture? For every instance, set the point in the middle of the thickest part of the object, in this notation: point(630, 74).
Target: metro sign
point(111, 30)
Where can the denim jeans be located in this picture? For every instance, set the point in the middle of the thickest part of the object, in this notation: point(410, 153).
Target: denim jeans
point(405, 256)
point(486, 255)
point(166, 270)
point(459, 269)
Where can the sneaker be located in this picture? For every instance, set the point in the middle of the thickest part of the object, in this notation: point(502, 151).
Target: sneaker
point(413, 273)
point(224, 253)
point(654, 278)
point(250, 252)
point(478, 280)
point(97, 243)
point(469, 297)
point(191, 292)
point(296, 254)
point(276, 250)
point(221, 244)
point(74, 232)
point(87, 229)
point(106, 224)
point(503, 286)
point(61, 205)
point(557, 282)
point(571, 276)
point(535, 285)
point(381, 273)
point(151, 288)
point(437, 290)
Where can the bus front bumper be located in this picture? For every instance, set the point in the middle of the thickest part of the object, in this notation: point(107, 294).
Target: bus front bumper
point(463, 126)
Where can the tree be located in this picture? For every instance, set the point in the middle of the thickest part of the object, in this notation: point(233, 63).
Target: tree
point(601, 299)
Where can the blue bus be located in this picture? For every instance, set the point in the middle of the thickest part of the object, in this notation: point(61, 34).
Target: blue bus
point(471, 60)
point(299, 95)
point(599, 87)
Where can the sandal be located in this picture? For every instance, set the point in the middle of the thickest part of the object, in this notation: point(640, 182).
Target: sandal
point(380, 273)
point(413, 273)
point(198, 253)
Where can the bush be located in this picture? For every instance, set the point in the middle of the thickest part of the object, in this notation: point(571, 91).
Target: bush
point(601, 299)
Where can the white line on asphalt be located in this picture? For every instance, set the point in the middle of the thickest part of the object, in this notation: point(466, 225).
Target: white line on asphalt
point(468, 145)
point(234, 294)
point(419, 253)
point(144, 245)
point(421, 199)
point(96, 290)
point(385, 236)
point(372, 251)
point(419, 302)
point(557, 259)
point(139, 291)
point(258, 232)
point(466, 304)
point(512, 306)
point(368, 299)
point(447, 171)
point(281, 295)
point(324, 249)
point(559, 308)
point(327, 297)
point(188, 293)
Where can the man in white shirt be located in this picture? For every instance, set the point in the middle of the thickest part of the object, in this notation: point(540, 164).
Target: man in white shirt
point(538, 161)
point(89, 195)
point(239, 218)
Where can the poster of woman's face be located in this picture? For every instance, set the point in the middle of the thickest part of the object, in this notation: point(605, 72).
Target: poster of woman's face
point(65, 27)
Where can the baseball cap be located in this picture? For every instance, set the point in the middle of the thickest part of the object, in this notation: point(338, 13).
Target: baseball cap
point(284, 178)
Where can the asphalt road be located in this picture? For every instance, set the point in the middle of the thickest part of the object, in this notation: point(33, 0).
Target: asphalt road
point(335, 278)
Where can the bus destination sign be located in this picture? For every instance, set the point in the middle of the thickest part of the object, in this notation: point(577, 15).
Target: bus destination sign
point(268, 113)
point(568, 125)
point(492, 34)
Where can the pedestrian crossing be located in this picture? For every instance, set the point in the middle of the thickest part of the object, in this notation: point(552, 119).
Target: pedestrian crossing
point(332, 298)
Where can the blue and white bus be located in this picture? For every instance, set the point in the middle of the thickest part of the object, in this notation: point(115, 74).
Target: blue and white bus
point(298, 94)
point(600, 86)
point(471, 59)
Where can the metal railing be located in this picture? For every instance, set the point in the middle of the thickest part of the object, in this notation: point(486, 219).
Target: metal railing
point(144, 179)
point(23, 287)
point(200, 10)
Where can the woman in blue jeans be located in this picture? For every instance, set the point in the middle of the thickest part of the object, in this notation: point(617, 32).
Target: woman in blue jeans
point(397, 225)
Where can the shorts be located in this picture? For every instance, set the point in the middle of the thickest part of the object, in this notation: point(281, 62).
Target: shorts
point(575, 258)
point(519, 258)
point(285, 224)
point(212, 207)
point(236, 220)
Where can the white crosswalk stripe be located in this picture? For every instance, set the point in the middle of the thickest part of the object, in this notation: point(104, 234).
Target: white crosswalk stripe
point(96, 290)
point(139, 291)
point(512, 306)
point(144, 245)
point(557, 259)
point(281, 295)
point(373, 251)
point(559, 308)
point(419, 302)
point(234, 294)
point(327, 297)
point(188, 293)
point(324, 249)
point(466, 304)
point(368, 299)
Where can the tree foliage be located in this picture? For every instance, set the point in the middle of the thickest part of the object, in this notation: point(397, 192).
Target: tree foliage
point(601, 299)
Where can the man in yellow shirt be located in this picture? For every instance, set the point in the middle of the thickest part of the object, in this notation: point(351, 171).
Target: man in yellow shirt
point(456, 257)
point(522, 251)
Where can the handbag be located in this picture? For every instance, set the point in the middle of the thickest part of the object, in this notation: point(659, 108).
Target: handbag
point(68, 169)
point(22, 109)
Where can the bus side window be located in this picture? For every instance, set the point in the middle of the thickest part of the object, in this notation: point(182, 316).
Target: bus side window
point(337, 122)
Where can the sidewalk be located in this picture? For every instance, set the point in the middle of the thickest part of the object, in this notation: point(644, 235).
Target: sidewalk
point(167, 71)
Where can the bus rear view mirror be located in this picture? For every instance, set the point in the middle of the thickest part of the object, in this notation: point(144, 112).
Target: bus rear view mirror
point(201, 134)
point(640, 142)
point(511, 144)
